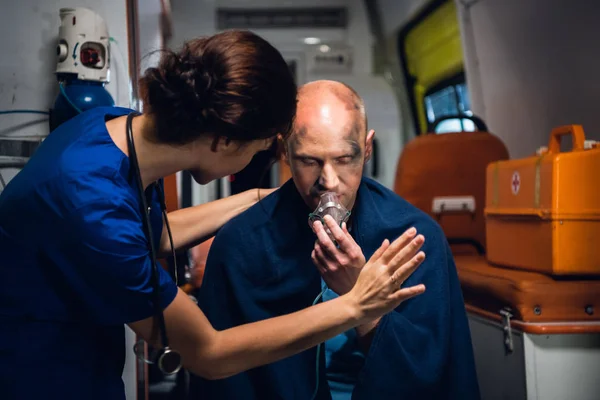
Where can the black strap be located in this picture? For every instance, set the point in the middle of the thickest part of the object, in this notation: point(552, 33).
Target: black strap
point(147, 230)
point(163, 206)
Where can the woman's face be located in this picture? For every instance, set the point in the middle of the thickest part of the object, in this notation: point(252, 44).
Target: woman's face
point(229, 158)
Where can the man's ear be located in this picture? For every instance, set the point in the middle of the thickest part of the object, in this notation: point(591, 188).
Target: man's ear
point(369, 145)
point(282, 151)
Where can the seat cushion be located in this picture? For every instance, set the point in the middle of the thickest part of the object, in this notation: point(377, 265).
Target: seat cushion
point(531, 296)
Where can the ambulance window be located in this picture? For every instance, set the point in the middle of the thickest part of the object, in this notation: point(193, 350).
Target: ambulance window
point(431, 56)
point(449, 98)
point(463, 96)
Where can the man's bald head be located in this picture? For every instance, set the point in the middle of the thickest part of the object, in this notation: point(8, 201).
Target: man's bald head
point(329, 144)
point(321, 93)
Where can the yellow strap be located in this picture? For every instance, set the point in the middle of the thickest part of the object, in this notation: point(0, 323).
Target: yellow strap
point(538, 183)
point(496, 187)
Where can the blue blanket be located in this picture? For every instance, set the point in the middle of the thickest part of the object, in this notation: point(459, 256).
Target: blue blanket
point(259, 267)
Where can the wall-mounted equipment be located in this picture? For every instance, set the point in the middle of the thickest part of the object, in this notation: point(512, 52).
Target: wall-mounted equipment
point(83, 61)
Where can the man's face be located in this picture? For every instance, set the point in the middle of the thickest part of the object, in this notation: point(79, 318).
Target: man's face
point(328, 150)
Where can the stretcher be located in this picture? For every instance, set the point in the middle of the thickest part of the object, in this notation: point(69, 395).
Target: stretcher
point(534, 336)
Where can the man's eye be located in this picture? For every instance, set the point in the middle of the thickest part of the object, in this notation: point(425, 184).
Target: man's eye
point(308, 162)
point(344, 160)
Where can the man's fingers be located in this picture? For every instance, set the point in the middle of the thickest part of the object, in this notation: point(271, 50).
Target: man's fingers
point(398, 245)
point(323, 258)
point(342, 238)
point(405, 270)
point(323, 255)
point(320, 266)
point(347, 251)
point(324, 240)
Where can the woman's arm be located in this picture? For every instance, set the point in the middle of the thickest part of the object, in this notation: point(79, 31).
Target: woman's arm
point(193, 225)
point(218, 354)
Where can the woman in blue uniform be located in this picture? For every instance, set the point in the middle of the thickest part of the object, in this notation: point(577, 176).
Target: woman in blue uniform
point(81, 227)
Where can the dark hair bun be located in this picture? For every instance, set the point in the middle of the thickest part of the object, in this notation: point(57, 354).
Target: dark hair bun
point(233, 84)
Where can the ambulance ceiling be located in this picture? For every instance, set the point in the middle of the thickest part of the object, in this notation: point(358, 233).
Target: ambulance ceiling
point(285, 22)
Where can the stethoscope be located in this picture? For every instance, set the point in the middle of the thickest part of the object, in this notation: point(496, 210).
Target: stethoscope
point(167, 359)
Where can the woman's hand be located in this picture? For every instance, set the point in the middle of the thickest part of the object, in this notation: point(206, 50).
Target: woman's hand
point(378, 287)
point(193, 225)
point(219, 354)
point(339, 265)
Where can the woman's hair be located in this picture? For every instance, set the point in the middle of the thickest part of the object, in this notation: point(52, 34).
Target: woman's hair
point(233, 84)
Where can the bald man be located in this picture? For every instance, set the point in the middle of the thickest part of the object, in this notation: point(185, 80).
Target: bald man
point(269, 261)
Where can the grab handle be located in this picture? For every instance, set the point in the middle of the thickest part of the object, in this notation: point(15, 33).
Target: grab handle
point(478, 122)
point(576, 132)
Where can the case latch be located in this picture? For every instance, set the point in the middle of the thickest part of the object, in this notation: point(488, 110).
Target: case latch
point(506, 328)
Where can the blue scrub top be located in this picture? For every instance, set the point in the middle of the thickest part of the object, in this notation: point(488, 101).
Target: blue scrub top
point(74, 266)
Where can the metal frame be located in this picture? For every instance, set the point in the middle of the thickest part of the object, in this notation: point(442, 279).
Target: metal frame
point(512, 364)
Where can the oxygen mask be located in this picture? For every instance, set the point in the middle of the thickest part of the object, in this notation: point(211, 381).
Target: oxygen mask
point(329, 205)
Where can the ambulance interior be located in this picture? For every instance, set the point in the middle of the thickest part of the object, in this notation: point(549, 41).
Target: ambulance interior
point(484, 112)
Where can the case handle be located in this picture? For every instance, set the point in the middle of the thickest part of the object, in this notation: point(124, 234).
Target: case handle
point(576, 132)
point(453, 204)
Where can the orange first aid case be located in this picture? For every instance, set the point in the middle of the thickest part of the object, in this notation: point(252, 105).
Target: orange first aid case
point(543, 212)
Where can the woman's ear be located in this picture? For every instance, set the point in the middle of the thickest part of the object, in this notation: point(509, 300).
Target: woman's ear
point(220, 144)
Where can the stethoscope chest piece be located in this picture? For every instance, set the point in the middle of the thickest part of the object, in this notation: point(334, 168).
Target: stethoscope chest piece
point(169, 361)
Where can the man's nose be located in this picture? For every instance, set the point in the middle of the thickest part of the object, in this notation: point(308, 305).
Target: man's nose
point(328, 179)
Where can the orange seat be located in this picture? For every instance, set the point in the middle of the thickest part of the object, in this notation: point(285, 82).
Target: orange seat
point(444, 176)
point(531, 297)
